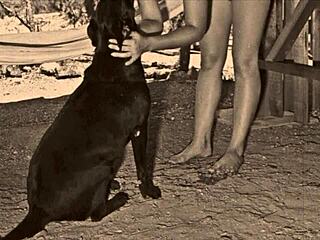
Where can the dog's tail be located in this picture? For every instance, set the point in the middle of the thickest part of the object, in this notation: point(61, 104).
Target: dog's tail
point(33, 223)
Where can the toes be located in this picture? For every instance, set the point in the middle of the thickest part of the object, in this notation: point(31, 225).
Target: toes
point(216, 170)
point(176, 160)
point(183, 159)
point(229, 171)
point(216, 174)
point(179, 158)
point(222, 170)
point(211, 179)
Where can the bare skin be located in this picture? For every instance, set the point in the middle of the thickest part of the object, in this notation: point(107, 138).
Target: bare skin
point(151, 20)
point(248, 19)
point(192, 31)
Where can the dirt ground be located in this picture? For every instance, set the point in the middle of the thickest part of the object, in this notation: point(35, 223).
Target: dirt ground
point(276, 195)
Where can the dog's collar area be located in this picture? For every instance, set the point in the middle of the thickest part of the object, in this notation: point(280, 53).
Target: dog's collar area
point(137, 133)
point(126, 31)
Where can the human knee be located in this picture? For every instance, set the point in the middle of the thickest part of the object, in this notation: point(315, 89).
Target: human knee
point(211, 60)
point(245, 63)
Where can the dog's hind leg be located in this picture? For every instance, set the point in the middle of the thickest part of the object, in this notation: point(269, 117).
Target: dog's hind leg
point(144, 165)
point(105, 206)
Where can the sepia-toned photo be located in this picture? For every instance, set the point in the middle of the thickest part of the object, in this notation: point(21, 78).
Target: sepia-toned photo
point(160, 119)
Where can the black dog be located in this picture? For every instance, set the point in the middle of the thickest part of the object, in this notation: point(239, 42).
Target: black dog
point(71, 170)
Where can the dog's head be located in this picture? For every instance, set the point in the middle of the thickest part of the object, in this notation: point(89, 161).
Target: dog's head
point(111, 19)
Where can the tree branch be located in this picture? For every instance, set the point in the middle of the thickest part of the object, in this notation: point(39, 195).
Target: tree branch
point(13, 13)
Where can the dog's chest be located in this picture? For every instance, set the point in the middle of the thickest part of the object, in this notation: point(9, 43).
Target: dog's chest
point(113, 101)
point(111, 94)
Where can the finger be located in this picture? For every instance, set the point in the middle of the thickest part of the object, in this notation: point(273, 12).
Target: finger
point(121, 54)
point(128, 42)
point(132, 60)
point(114, 41)
point(113, 47)
point(125, 49)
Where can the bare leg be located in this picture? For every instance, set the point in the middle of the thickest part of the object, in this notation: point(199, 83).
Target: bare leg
point(213, 55)
point(248, 22)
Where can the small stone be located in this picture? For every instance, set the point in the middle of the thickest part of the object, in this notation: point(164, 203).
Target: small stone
point(49, 69)
point(67, 74)
point(13, 71)
point(26, 68)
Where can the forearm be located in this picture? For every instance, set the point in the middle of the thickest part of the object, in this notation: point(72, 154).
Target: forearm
point(151, 20)
point(195, 12)
point(150, 26)
point(181, 37)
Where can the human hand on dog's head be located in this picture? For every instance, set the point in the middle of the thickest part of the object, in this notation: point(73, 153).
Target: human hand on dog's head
point(132, 47)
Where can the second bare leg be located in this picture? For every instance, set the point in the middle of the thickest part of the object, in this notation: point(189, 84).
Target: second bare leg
point(213, 55)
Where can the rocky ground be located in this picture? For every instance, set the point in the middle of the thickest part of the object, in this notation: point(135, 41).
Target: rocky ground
point(276, 195)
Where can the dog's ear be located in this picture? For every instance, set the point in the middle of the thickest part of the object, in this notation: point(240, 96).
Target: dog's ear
point(92, 32)
point(92, 29)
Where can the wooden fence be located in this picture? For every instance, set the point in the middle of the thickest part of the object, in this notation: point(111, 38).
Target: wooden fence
point(291, 57)
point(289, 61)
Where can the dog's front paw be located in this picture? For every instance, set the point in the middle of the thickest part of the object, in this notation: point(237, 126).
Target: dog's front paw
point(114, 185)
point(150, 190)
point(121, 197)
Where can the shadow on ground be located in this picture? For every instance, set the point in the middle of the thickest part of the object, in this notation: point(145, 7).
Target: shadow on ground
point(275, 196)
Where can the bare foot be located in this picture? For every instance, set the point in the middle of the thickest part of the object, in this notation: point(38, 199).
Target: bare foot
point(191, 151)
point(227, 166)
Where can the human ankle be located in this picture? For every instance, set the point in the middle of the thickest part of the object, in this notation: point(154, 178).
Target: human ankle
point(237, 151)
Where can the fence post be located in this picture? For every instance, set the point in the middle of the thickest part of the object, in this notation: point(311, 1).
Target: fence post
point(184, 58)
point(316, 57)
point(301, 86)
point(288, 79)
point(272, 82)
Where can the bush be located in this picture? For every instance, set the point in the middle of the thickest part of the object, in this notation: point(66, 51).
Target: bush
point(74, 9)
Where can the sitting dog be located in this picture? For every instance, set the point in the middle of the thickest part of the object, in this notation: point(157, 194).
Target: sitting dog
point(76, 160)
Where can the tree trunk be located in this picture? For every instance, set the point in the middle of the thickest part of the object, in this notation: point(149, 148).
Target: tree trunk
point(29, 15)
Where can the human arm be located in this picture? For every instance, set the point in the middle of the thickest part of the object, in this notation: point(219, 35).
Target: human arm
point(195, 26)
point(151, 19)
